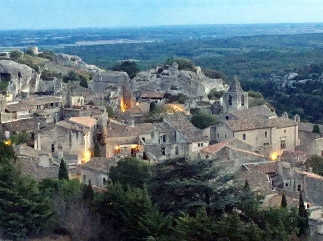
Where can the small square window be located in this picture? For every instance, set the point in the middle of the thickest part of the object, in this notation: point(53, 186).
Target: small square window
point(163, 151)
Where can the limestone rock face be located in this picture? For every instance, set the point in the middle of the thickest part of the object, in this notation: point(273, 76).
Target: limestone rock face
point(174, 81)
point(75, 61)
point(22, 78)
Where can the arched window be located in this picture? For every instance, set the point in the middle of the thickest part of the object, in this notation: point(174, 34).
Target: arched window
point(242, 100)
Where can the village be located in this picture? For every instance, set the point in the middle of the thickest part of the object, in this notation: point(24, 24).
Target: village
point(70, 122)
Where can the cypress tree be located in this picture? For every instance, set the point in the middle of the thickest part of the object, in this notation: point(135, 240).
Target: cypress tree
point(284, 201)
point(63, 173)
point(88, 193)
point(303, 224)
point(97, 151)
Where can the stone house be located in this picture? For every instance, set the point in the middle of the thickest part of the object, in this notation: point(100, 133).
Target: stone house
point(96, 171)
point(137, 113)
point(186, 134)
point(16, 111)
point(127, 140)
point(41, 158)
point(48, 108)
point(71, 140)
point(310, 142)
point(232, 154)
point(152, 96)
point(267, 135)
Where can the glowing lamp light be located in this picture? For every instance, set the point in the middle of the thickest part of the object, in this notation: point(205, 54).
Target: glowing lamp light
point(274, 156)
point(87, 156)
point(137, 103)
point(134, 146)
point(7, 142)
point(117, 148)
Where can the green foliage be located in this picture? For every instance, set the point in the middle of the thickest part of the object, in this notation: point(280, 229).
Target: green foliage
point(203, 120)
point(316, 163)
point(179, 98)
point(316, 129)
point(183, 63)
point(181, 185)
point(47, 54)
point(215, 94)
point(198, 227)
point(71, 76)
point(16, 54)
point(130, 67)
point(20, 138)
point(49, 75)
point(88, 193)
point(213, 74)
point(63, 172)
point(255, 94)
point(83, 82)
point(303, 223)
point(132, 213)
point(97, 149)
point(130, 172)
point(283, 203)
point(24, 212)
point(110, 111)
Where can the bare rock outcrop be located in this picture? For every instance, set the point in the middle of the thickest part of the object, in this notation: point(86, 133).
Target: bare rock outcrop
point(21, 78)
point(174, 81)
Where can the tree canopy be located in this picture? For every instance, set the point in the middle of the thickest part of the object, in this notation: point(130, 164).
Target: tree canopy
point(130, 67)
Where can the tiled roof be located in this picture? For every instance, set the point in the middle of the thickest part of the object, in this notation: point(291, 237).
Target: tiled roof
point(29, 166)
point(42, 100)
point(212, 149)
point(13, 107)
point(181, 124)
point(257, 123)
point(121, 130)
point(294, 157)
point(84, 121)
point(162, 127)
point(153, 95)
point(71, 126)
point(142, 108)
point(263, 167)
point(262, 112)
point(302, 126)
point(22, 150)
point(100, 164)
point(28, 124)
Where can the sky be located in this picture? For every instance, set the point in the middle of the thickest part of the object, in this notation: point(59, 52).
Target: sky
point(69, 14)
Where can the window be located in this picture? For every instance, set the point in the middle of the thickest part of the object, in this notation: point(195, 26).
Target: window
point(53, 147)
point(143, 139)
point(242, 100)
point(225, 136)
point(163, 151)
point(162, 138)
point(283, 144)
point(244, 137)
point(200, 144)
point(230, 100)
point(218, 136)
point(104, 181)
point(299, 187)
point(322, 153)
point(266, 144)
point(265, 134)
point(176, 150)
point(286, 184)
point(284, 131)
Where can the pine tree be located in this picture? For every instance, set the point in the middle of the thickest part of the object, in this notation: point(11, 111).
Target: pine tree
point(63, 173)
point(284, 201)
point(303, 224)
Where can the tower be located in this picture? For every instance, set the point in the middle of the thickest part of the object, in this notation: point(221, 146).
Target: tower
point(235, 98)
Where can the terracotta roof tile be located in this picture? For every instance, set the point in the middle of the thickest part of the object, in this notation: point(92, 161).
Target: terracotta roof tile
point(84, 120)
point(122, 130)
point(100, 164)
point(181, 124)
point(258, 123)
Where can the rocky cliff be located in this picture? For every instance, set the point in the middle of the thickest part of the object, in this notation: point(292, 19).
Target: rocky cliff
point(172, 80)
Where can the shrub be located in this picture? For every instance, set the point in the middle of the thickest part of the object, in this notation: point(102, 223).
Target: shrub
point(215, 94)
point(183, 64)
point(203, 120)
